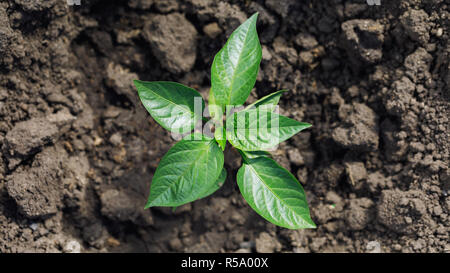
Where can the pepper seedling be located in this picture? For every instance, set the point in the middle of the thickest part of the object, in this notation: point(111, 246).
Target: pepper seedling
point(194, 167)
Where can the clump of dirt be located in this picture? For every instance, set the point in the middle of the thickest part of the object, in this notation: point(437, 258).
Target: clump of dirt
point(78, 150)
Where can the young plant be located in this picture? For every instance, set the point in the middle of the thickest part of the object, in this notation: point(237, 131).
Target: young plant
point(194, 167)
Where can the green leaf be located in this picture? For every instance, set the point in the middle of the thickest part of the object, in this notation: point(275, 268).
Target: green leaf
point(171, 104)
point(274, 193)
point(235, 67)
point(254, 154)
point(213, 188)
point(255, 130)
point(186, 172)
point(271, 101)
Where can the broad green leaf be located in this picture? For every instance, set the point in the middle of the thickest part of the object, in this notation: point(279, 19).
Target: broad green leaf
point(235, 67)
point(271, 101)
point(186, 172)
point(214, 187)
point(255, 130)
point(274, 193)
point(171, 104)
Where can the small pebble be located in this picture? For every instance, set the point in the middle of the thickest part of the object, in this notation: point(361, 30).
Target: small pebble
point(373, 247)
point(34, 226)
point(72, 247)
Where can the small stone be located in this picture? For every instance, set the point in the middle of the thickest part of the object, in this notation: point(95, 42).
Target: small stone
point(116, 139)
point(306, 57)
point(212, 30)
point(333, 198)
point(113, 242)
point(3, 94)
point(373, 247)
point(282, 49)
point(266, 55)
point(408, 220)
point(305, 40)
point(34, 226)
point(111, 112)
point(417, 147)
point(419, 244)
point(243, 250)
point(353, 91)
point(296, 157)
point(97, 141)
point(437, 210)
point(72, 246)
point(356, 172)
point(336, 98)
point(125, 37)
point(302, 175)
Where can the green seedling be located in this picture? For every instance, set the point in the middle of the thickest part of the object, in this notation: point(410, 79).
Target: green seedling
point(194, 167)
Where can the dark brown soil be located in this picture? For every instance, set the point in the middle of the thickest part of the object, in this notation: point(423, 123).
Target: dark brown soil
point(78, 151)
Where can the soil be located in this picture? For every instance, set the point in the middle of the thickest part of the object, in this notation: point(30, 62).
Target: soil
point(78, 150)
